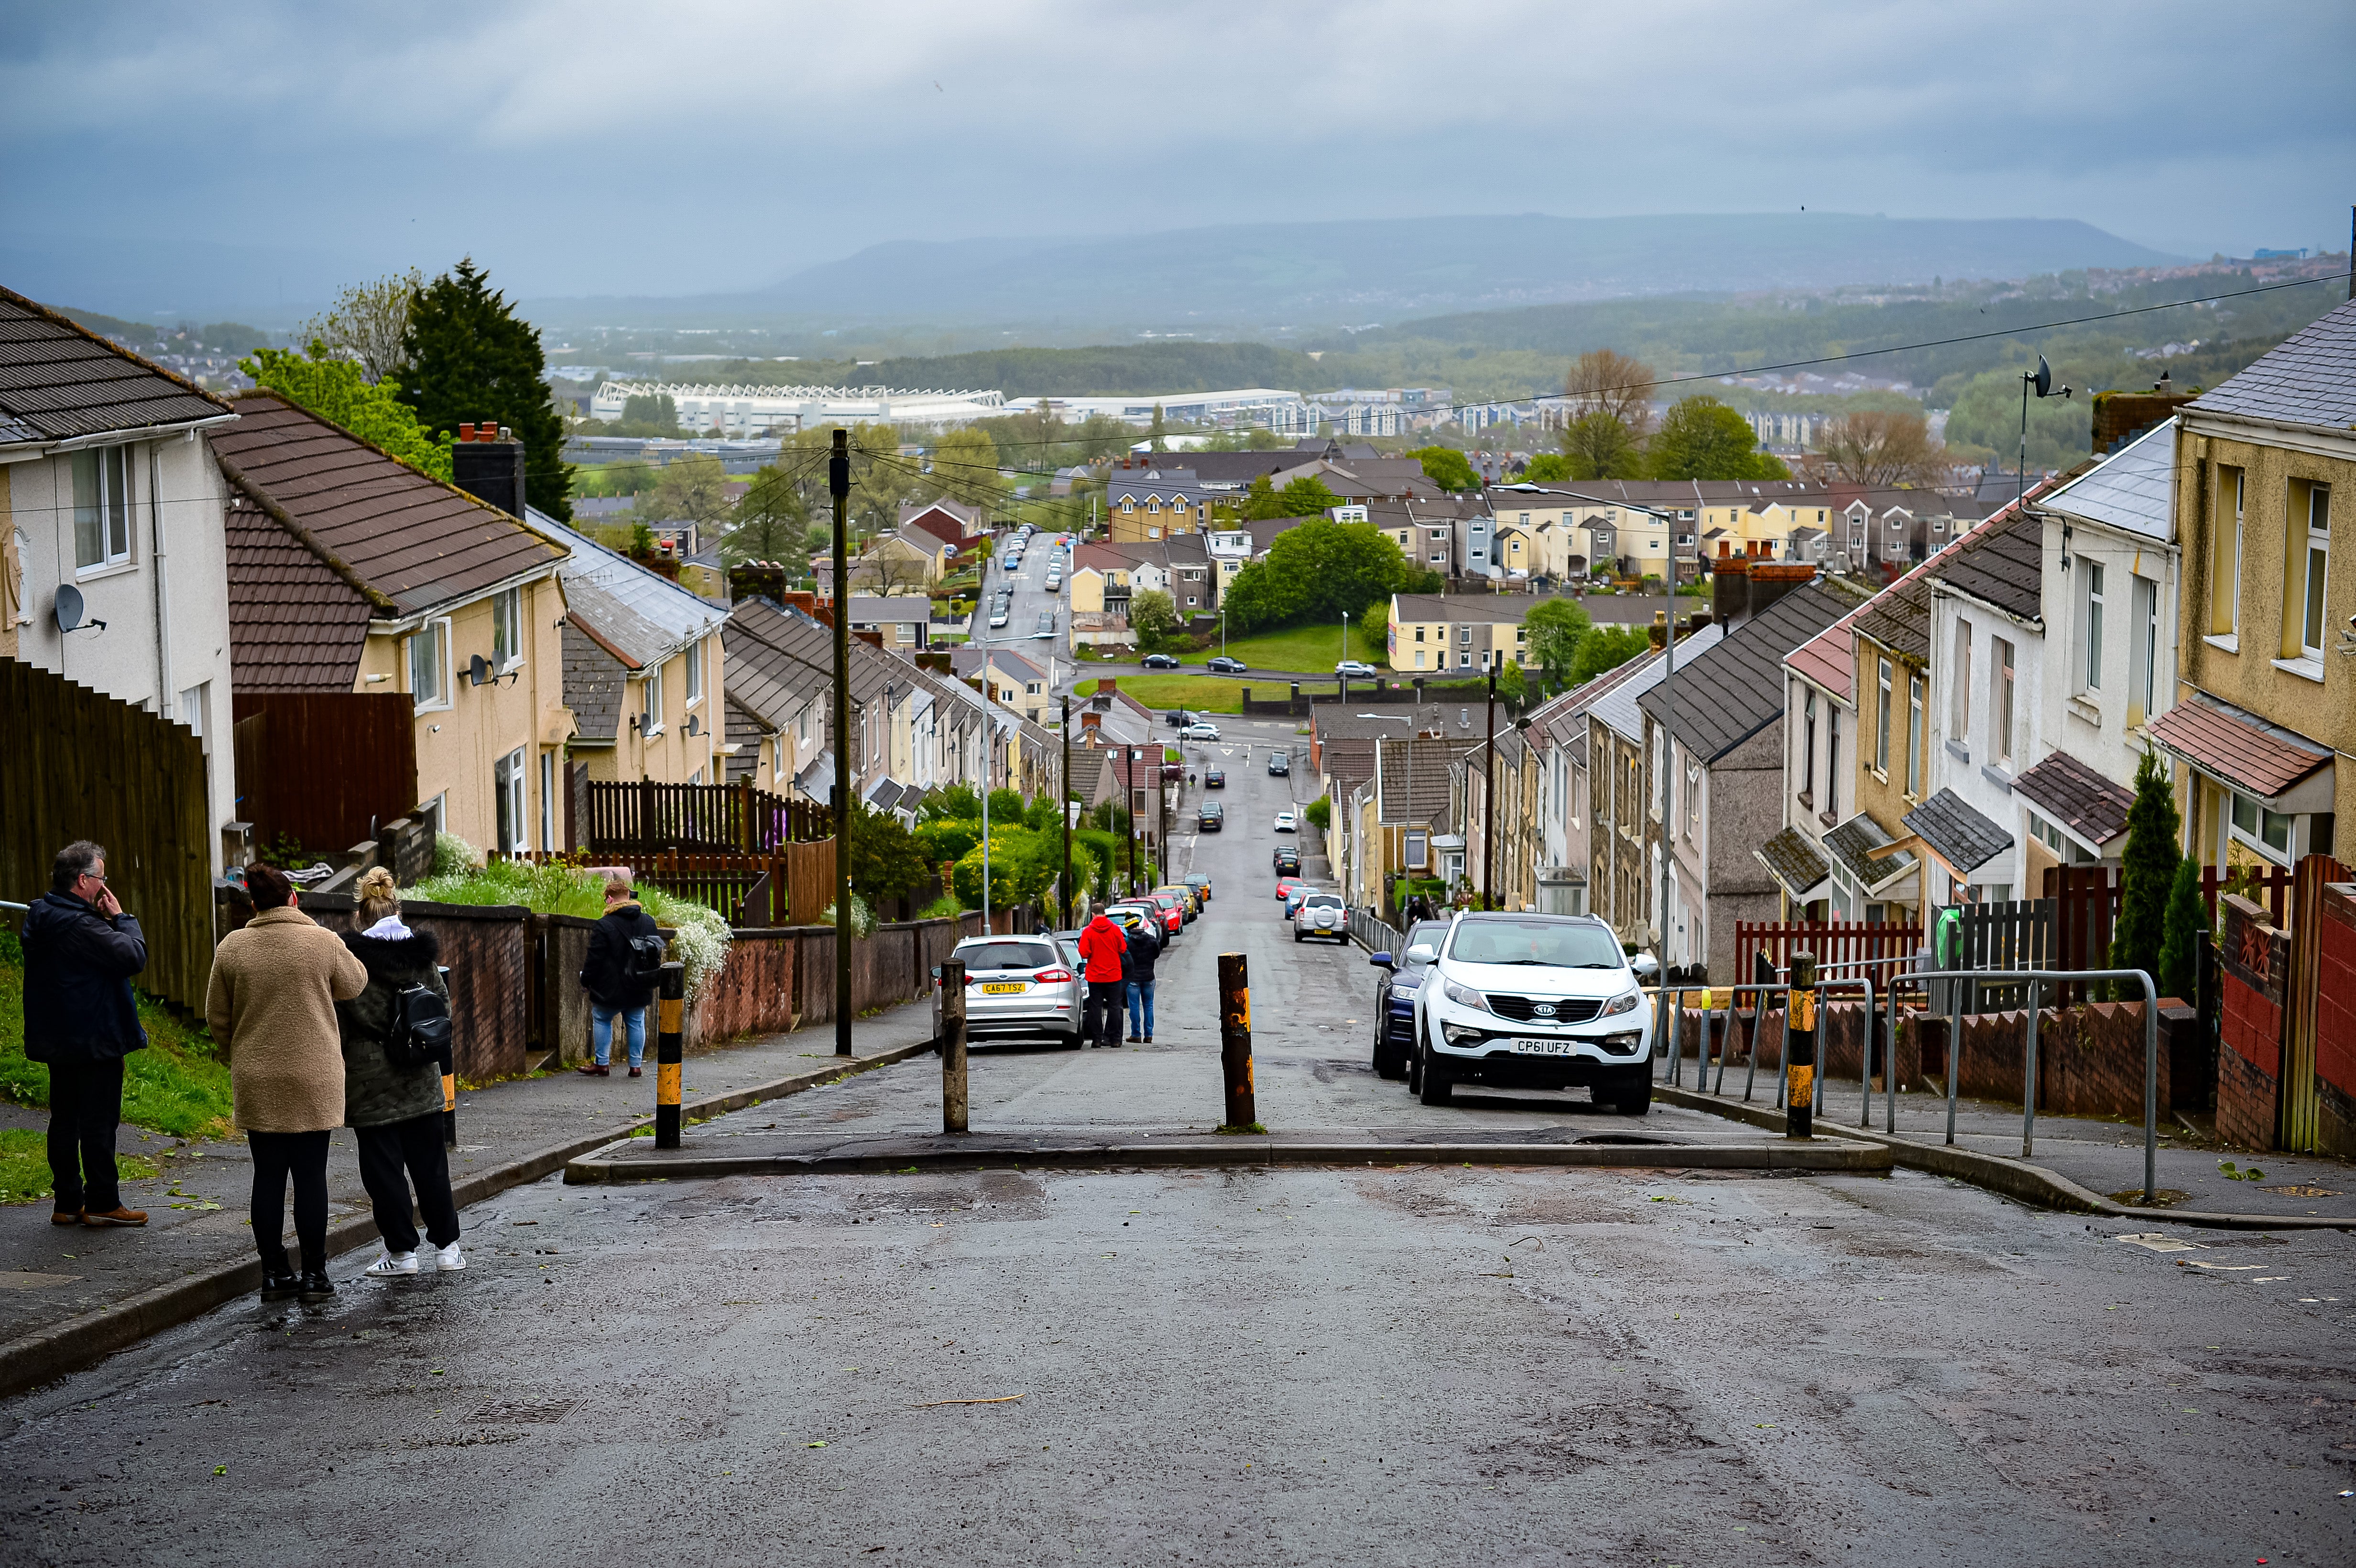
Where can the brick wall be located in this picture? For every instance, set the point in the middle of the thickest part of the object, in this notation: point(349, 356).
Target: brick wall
point(2090, 1059)
point(2254, 970)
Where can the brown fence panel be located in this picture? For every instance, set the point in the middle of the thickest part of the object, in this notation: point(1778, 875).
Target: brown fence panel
point(2301, 1106)
point(325, 769)
point(79, 765)
point(643, 817)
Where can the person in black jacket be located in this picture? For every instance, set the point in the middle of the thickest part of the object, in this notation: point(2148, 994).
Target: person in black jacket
point(610, 976)
point(1137, 968)
point(80, 951)
point(395, 1112)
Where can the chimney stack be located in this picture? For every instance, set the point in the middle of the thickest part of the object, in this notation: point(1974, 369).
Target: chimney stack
point(1730, 591)
point(488, 463)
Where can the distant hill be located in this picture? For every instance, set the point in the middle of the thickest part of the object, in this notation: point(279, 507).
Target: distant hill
point(1361, 271)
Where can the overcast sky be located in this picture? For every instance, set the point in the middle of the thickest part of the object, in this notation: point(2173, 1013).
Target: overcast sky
point(582, 147)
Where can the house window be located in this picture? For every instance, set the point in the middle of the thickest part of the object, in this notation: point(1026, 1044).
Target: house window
point(2268, 832)
point(2314, 565)
point(2143, 649)
point(1465, 661)
point(1419, 659)
point(1832, 760)
point(1692, 798)
point(1915, 695)
point(1808, 747)
point(650, 689)
point(507, 629)
point(1418, 849)
point(1882, 743)
point(2090, 610)
point(1419, 634)
point(1959, 699)
point(2225, 558)
point(507, 790)
point(102, 507)
point(429, 665)
point(548, 802)
point(2003, 714)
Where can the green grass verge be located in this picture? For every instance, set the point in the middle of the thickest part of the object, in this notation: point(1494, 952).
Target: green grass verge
point(178, 1084)
point(24, 1166)
point(1196, 693)
point(1312, 649)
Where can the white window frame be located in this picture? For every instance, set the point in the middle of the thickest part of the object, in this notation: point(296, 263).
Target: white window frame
point(693, 653)
point(2000, 712)
point(510, 797)
point(2316, 575)
point(548, 802)
point(1882, 737)
point(2089, 641)
point(2143, 648)
point(435, 636)
point(1959, 706)
point(109, 507)
point(1918, 699)
point(2261, 819)
point(507, 629)
point(650, 702)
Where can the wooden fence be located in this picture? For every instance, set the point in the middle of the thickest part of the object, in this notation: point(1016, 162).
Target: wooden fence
point(645, 817)
point(1833, 941)
point(325, 769)
point(79, 765)
point(2086, 900)
point(2015, 935)
point(789, 884)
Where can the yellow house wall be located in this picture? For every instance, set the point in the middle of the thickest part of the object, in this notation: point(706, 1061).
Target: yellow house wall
point(1883, 796)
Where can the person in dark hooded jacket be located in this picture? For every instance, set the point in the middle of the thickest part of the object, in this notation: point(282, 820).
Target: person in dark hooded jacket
point(609, 973)
point(80, 951)
point(396, 1112)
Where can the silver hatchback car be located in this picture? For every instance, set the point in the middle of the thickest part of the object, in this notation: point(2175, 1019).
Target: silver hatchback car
point(1017, 987)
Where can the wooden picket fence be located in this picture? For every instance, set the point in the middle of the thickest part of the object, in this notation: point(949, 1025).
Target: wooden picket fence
point(643, 817)
point(789, 884)
point(1833, 941)
point(2086, 906)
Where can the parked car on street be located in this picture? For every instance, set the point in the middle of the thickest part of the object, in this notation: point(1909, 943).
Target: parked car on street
point(1280, 763)
point(1199, 730)
point(1394, 988)
point(1222, 665)
point(1046, 624)
point(1017, 988)
point(1295, 896)
point(1159, 661)
point(1215, 778)
point(1189, 906)
point(998, 616)
point(1321, 914)
point(1287, 821)
point(1287, 860)
point(1140, 913)
point(1212, 817)
point(1284, 886)
point(1201, 883)
point(1355, 667)
point(1174, 911)
point(1532, 1001)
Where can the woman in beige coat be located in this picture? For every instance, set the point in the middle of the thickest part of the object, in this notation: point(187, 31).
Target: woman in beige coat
point(272, 1002)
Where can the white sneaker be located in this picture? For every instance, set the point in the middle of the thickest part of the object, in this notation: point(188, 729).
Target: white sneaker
point(391, 1263)
point(449, 1259)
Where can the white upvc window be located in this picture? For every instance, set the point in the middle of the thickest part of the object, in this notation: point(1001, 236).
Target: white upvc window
point(2143, 650)
point(2314, 566)
point(507, 629)
point(102, 507)
point(1959, 706)
point(2089, 631)
point(2266, 831)
point(429, 665)
point(694, 673)
point(650, 690)
point(1881, 733)
point(2001, 709)
point(508, 792)
point(1914, 700)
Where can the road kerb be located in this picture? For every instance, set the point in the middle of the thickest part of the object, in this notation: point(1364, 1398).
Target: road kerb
point(78, 1341)
point(2033, 1184)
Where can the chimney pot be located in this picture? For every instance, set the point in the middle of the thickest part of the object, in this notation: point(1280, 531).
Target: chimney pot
point(465, 433)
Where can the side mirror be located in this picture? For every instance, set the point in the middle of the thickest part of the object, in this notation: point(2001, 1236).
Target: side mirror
point(1646, 968)
point(1422, 953)
point(1382, 961)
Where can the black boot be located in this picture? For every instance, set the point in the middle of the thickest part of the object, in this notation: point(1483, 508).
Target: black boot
point(317, 1285)
point(280, 1284)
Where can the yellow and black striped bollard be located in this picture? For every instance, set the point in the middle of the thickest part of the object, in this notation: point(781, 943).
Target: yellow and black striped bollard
point(1800, 1049)
point(673, 1000)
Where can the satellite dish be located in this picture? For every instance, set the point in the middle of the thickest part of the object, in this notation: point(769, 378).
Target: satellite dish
point(478, 669)
point(2043, 379)
point(69, 607)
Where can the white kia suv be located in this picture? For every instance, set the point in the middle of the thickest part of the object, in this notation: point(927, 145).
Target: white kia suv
point(1532, 1001)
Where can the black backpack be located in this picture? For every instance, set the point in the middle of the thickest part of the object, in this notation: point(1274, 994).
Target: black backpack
point(645, 960)
point(421, 1029)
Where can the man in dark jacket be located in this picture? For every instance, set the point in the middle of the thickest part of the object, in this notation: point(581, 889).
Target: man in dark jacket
point(612, 977)
point(80, 951)
point(1104, 952)
point(1144, 947)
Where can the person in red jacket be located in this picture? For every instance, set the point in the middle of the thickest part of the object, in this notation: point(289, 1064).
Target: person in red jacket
point(1103, 946)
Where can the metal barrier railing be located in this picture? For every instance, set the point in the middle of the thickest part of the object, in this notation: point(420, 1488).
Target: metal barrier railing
point(1676, 1073)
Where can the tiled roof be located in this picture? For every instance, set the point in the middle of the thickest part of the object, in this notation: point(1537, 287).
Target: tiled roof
point(1617, 707)
point(2134, 488)
point(1460, 723)
point(1737, 688)
point(745, 731)
point(593, 687)
point(1847, 845)
point(2077, 796)
point(1899, 618)
point(2238, 747)
point(1430, 796)
point(2310, 379)
point(1957, 834)
point(1829, 658)
point(1791, 859)
point(1511, 609)
point(293, 623)
point(58, 382)
point(417, 542)
point(2002, 564)
point(636, 611)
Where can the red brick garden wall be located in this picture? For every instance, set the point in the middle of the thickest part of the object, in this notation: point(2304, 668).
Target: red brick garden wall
point(2254, 970)
point(2335, 1021)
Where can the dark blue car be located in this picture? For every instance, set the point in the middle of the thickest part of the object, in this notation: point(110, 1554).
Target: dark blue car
point(1395, 996)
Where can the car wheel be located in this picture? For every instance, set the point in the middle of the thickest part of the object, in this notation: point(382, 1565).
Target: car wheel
point(1434, 1085)
point(1635, 1096)
point(1296, 936)
point(1414, 1073)
point(1069, 1041)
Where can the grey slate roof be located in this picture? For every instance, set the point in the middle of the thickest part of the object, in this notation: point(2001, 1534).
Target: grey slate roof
point(1617, 707)
point(1956, 833)
point(1738, 686)
point(593, 688)
point(1426, 802)
point(2086, 803)
point(1899, 618)
point(2134, 489)
point(2002, 564)
point(1791, 859)
point(2310, 379)
point(638, 612)
point(58, 382)
point(1847, 844)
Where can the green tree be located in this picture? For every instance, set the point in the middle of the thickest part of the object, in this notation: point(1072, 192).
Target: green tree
point(884, 859)
point(2179, 948)
point(1547, 467)
point(367, 323)
point(965, 468)
point(1701, 437)
point(470, 358)
point(1318, 570)
point(693, 489)
point(1446, 467)
point(1606, 648)
point(1306, 496)
point(1375, 627)
point(958, 800)
point(1155, 432)
point(1006, 806)
point(770, 523)
point(1153, 617)
point(650, 413)
point(948, 838)
point(337, 390)
point(1556, 627)
point(1600, 446)
point(1513, 685)
point(2146, 871)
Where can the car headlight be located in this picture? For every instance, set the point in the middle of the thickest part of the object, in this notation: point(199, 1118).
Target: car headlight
point(1628, 1003)
point(1464, 997)
point(1461, 1034)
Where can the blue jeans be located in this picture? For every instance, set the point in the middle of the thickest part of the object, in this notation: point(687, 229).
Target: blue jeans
point(1141, 1000)
point(601, 1032)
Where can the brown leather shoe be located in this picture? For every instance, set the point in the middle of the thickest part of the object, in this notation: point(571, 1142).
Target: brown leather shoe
point(115, 1216)
point(594, 1070)
point(66, 1217)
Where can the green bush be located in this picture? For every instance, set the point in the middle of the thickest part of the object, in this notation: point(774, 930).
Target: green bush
point(1320, 813)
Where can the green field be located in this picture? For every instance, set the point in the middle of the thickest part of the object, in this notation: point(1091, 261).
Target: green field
point(1198, 693)
point(1310, 649)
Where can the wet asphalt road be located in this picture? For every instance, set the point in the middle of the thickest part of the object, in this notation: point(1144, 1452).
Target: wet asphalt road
point(1407, 1365)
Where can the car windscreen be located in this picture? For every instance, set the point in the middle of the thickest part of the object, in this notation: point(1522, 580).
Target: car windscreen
point(1320, 900)
point(1006, 955)
point(1427, 934)
point(1557, 943)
